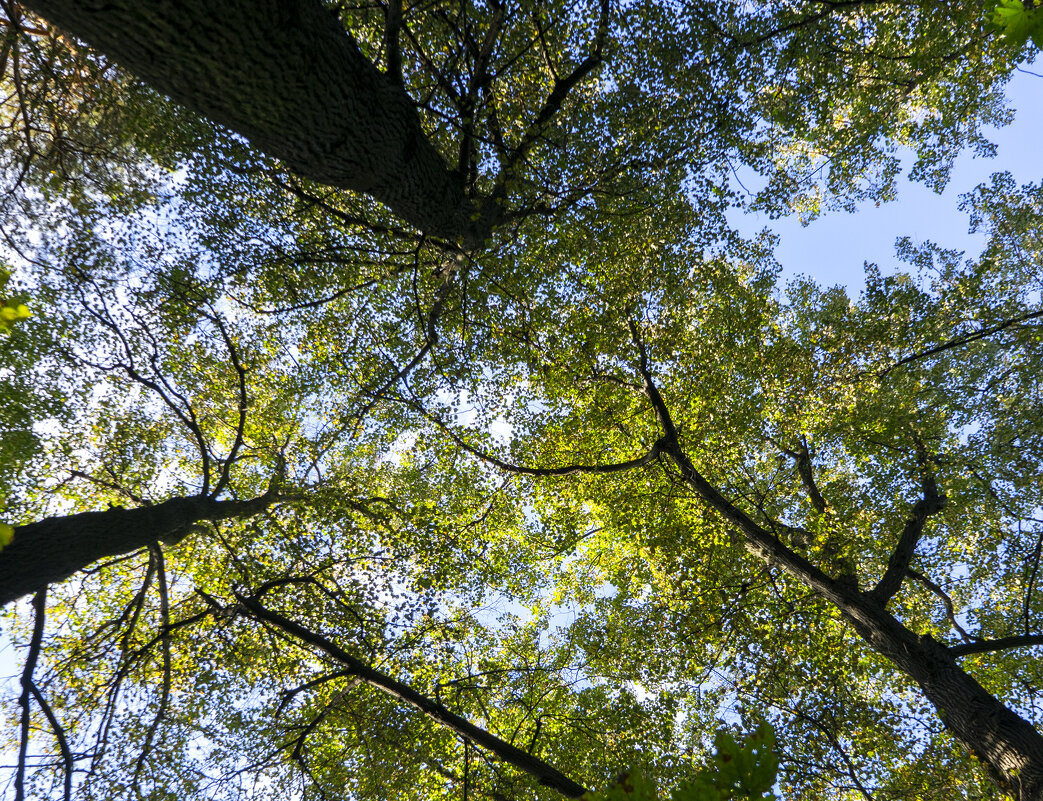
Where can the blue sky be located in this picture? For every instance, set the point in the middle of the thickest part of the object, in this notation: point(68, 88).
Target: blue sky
point(833, 248)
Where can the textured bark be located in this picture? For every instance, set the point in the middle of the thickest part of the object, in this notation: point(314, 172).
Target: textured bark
point(1006, 742)
point(285, 75)
point(53, 549)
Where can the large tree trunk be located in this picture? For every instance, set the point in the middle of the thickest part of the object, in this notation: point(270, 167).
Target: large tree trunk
point(53, 549)
point(287, 76)
point(1006, 742)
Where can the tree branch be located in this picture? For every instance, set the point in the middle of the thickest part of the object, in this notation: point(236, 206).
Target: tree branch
point(803, 457)
point(545, 774)
point(566, 470)
point(35, 643)
point(392, 50)
point(759, 540)
point(165, 682)
point(956, 342)
point(931, 503)
point(52, 549)
point(1000, 644)
point(554, 101)
point(59, 735)
point(308, 96)
point(950, 611)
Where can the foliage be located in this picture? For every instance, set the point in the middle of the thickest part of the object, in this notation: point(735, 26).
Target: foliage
point(476, 495)
point(10, 311)
point(9, 314)
point(736, 771)
point(1019, 23)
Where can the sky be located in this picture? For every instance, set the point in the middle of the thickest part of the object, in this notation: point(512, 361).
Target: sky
point(834, 248)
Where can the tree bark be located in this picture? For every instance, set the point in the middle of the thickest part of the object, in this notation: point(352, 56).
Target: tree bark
point(53, 549)
point(1008, 744)
point(288, 77)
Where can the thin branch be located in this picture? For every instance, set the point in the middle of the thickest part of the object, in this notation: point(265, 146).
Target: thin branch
point(950, 611)
point(830, 8)
point(1000, 644)
point(240, 372)
point(545, 774)
point(164, 612)
point(481, 81)
point(554, 101)
point(956, 342)
point(35, 643)
point(350, 219)
point(59, 735)
point(566, 470)
point(430, 340)
point(815, 721)
point(1032, 576)
point(289, 695)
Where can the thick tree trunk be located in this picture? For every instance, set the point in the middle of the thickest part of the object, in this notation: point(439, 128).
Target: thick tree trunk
point(53, 549)
point(287, 76)
point(1006, 742)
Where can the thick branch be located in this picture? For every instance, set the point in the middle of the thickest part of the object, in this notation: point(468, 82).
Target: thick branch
point(758, 539)
point(898, 564)
point(1008, 743)
point(392, 49)
point(807, 477)
point(288, 77)
point(541, 771)
point(53, 549)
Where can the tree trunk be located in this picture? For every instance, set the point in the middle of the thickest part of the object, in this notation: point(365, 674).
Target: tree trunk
point(53, 549)
point(288, 77)
point(1008, 744)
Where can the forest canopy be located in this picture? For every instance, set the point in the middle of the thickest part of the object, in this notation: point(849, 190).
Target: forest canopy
point(390, 410)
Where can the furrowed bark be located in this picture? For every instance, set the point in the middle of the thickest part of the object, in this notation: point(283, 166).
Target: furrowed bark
point(53, 549)
point(288, 77)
